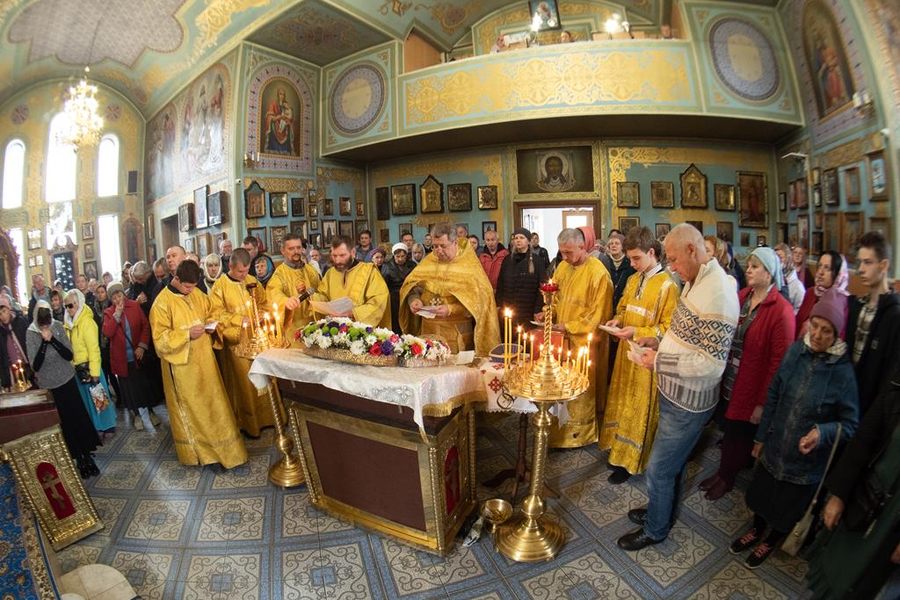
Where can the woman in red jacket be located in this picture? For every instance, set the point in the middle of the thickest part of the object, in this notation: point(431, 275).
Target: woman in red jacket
point(764, 333)
point(128, 330)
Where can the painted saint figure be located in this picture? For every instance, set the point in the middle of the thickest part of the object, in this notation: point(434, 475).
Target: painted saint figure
point(280, 126)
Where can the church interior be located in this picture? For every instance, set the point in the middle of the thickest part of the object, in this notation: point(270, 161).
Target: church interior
point(758, 121)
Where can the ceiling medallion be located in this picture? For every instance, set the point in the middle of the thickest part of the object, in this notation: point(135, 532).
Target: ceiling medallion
point(81, 106)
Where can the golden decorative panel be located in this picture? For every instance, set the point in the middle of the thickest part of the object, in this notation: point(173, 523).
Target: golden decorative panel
point(565, 84)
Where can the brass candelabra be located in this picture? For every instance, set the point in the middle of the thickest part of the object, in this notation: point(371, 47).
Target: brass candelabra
point(258, 334)
point(529, 535)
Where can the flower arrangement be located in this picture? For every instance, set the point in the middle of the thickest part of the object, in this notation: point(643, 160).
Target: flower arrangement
point(369, 345)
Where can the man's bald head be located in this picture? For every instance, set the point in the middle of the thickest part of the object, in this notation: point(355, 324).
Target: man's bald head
point(685, 251)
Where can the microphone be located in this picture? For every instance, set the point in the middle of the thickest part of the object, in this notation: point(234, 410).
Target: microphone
point(309, 292)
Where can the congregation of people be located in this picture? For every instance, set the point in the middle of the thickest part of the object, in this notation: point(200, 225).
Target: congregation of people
point(685, 341)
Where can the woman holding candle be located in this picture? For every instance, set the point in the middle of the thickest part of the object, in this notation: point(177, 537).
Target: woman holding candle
point(50, 353)
point(14, 367)
point(645, 310)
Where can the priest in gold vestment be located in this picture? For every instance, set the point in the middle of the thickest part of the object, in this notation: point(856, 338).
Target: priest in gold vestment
point(583, 302)
point(292, 279)
point(645, 310)
point(228, 299)
point(203, 424)
point(361, 282)
point(451, 283)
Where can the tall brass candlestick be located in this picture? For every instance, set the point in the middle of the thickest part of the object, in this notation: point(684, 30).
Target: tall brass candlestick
point(529, 535)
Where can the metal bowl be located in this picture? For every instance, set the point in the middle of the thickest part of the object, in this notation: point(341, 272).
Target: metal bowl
point(496, 511)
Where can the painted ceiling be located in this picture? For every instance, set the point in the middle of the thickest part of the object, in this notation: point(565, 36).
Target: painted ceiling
point(149, 49)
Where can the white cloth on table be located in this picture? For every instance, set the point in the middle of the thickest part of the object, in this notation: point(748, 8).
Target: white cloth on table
point(415, 388)
point(492, 373)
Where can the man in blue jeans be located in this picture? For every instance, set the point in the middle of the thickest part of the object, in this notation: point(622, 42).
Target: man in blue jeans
point(689, 362)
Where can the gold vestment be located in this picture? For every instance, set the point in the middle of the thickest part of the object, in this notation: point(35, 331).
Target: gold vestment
point(461, 285)
point(203, 424)
point(228, 299)
point(632, 409)
point(365, 286)
point(583, 302)
point(283, 285)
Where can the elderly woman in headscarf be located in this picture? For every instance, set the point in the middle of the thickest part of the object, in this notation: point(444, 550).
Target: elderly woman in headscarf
point(831, 272)
point(418, 253)
point(50, 354)
point(212, 270)
point(590, 241)
point(765, 331)
point(263, 268)
point(85, 338)
point(813, 391)
point(128, 333)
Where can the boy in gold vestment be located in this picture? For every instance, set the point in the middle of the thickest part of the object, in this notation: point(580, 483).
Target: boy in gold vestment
point(360, 282)
point(451, 283)
point(645, 310)
point(228, 300)
point(583, 302)
point(293, 278)
point(203, 424)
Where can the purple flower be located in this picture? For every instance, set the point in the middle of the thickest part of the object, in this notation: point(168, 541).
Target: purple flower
point(386, 348)
point(369, 330)
point(326, 334)
point(332, 324)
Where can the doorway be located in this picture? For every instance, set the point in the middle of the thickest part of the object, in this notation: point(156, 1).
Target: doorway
point(169, 227)
point(547, 220)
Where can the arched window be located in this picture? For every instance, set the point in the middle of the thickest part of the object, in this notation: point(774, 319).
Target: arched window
point(110, 251)
point(13, 174)
point(108, 166)
point(61, 162)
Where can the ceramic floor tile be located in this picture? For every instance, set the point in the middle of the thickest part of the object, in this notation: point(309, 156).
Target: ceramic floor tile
point(344, 571)
point(729, 513)
point(143, 442)
point(298, 517)
point(254, 473)
point(121, 474)
point(158, 520)
point(77, 555)
point(218, 521)
point(147, 572)
point(553, 584)
point(410, 571)
point(734, 580)
point(301, 574)
point(172, 475)
point(223, 577)
point(602, 502)
point(110, 512)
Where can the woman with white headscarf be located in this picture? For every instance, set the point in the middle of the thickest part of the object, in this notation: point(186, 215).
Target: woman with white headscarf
point(85, 338)
point(50, 354)
point(212, 269)
point(764, 333)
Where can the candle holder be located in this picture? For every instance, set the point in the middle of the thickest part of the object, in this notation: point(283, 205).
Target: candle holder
point(256, 338)
point(529, 535)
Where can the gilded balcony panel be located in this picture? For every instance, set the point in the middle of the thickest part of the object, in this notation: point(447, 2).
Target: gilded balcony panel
point(591, 78)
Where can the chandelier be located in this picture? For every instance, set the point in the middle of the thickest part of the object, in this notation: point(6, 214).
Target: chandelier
point(81, 108)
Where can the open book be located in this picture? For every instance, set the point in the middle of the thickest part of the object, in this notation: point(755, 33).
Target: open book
point(335, 307)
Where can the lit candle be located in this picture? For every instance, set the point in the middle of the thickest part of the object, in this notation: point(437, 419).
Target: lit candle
point(532, 349)
point(568, 358)
point(277, 320)
point(587, 368)
point(518, 344)
point(507, 335)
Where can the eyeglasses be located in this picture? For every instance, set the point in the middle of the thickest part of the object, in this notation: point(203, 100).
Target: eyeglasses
point(70, 305)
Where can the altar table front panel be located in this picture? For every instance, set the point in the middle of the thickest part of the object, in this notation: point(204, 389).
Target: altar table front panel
point(369, 463)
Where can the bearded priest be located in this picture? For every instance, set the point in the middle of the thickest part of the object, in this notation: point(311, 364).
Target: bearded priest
point(203, 425)
point(360, 282)
point(450, 286)
point(228, 298)
point(293, 279)
point(583, 302)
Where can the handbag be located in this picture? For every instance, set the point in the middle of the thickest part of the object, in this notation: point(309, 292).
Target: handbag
point(100, 398)
point(794, 541)
point(83, 371)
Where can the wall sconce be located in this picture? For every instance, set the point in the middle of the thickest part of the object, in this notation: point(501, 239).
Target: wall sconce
point(863, 103)
point(251, 160)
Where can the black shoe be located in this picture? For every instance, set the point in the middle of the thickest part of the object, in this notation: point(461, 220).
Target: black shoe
point(637, 540)
point(618, 476)
point(82, 469)
point(759, 555)
point(638, 516)
point(91, 467)
point(745, 541)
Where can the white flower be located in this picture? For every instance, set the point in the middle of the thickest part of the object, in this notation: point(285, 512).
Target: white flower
point(357, 347)
point(323, 342)
point(371, 339)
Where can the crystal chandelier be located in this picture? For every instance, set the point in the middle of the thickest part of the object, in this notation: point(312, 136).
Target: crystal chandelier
point(81, 108)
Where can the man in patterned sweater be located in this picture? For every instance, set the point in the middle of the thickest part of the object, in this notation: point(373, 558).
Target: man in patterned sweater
point(689, 363)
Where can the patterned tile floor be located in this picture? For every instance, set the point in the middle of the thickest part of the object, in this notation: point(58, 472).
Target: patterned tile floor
point(210, 534)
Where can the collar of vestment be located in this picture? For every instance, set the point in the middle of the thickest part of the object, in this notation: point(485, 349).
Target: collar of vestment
point(294, 265)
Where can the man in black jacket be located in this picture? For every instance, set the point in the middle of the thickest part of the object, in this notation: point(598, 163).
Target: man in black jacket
point(873, 321)
point(521, 274)
point(13, 325)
